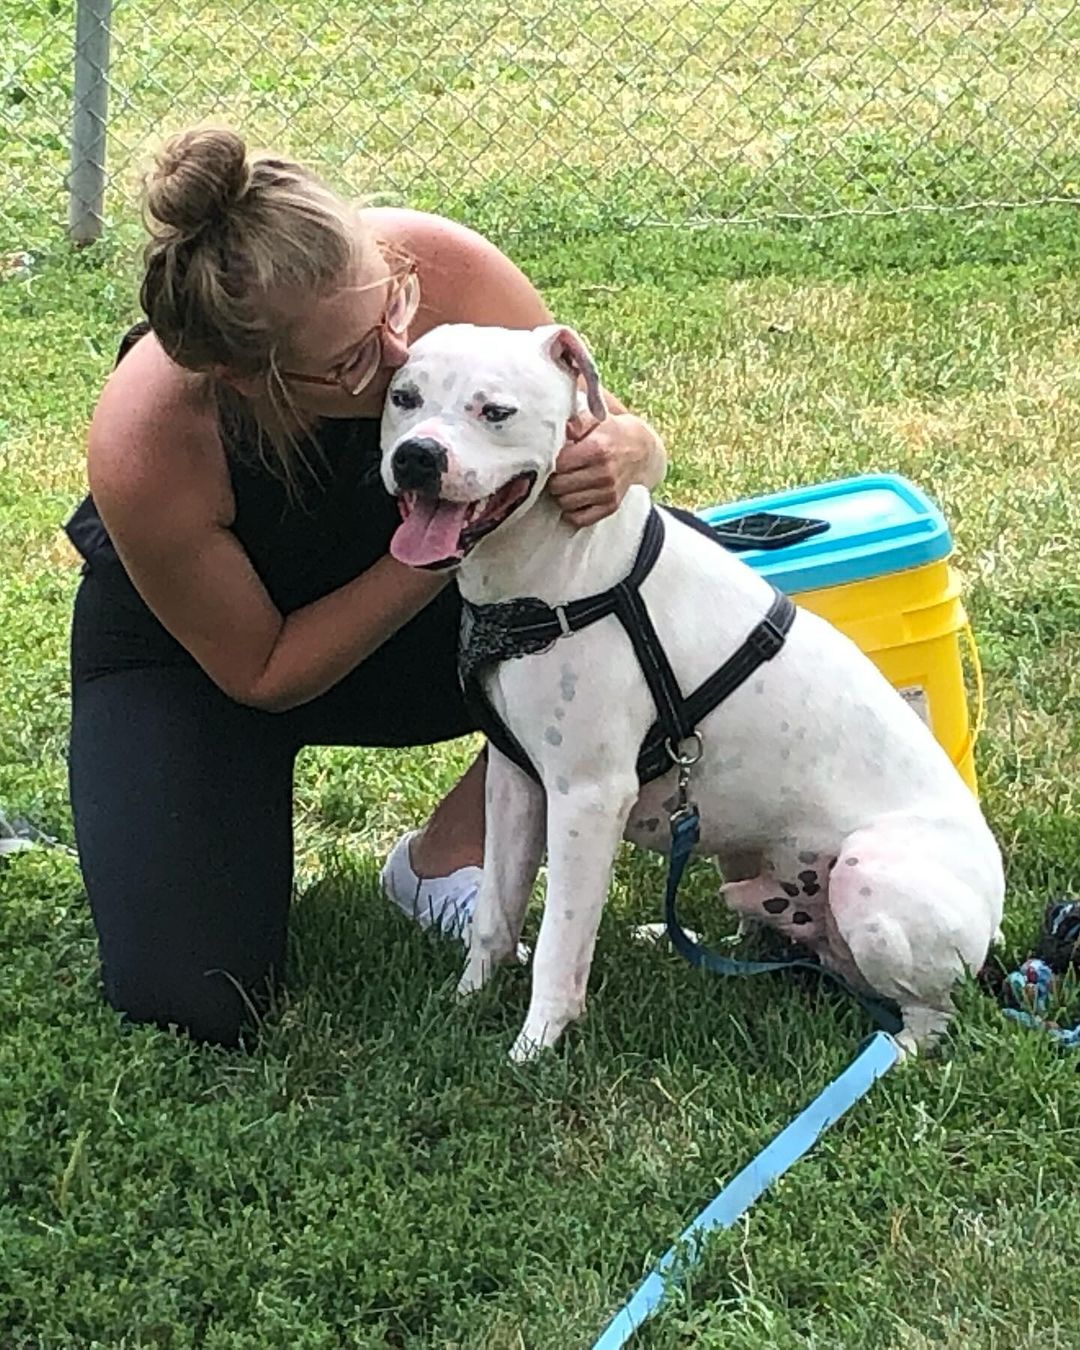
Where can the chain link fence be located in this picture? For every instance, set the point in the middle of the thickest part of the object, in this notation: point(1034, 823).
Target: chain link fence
point(523, 115)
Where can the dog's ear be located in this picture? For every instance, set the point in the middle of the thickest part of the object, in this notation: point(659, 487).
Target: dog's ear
point(568, 351)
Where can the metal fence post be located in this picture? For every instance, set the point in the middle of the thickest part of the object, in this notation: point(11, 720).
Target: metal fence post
point(86, 182)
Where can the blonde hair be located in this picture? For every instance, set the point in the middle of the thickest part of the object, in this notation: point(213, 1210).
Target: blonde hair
point(229, 230)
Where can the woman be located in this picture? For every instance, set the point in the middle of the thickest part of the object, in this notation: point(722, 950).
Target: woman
point(238, 601)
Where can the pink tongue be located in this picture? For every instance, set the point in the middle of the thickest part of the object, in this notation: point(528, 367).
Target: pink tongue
point(429, 533)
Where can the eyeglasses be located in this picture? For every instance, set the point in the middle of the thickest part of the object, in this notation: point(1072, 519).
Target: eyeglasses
point(358, 369)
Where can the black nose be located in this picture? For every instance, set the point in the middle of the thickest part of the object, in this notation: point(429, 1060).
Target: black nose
point(419, 464)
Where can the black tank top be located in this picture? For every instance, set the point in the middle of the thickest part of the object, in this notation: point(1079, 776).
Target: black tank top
point(337, 523)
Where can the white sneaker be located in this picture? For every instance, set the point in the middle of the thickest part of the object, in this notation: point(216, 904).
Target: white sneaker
point(443, 903)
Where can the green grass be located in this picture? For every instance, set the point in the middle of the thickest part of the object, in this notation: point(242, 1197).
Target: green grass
point(376, 1174)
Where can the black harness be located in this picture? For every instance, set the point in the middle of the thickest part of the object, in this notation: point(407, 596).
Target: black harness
point(515, 628)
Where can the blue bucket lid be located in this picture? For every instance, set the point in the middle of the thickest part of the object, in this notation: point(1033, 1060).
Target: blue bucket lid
point(878, 524)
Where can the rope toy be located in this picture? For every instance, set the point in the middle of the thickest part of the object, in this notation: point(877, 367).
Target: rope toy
point(1035, 986)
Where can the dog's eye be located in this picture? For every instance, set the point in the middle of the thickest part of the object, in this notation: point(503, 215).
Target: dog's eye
point(406, 398)
point(496, 412)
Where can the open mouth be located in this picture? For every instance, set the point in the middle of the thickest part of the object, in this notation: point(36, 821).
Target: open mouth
point(435, 533)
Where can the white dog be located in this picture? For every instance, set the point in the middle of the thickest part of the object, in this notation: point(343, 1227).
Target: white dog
point(830, 808)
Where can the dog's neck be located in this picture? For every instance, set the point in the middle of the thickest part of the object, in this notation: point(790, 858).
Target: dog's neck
point(540, 554)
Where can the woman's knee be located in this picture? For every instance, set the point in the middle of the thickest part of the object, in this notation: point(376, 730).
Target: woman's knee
point(212, 1007)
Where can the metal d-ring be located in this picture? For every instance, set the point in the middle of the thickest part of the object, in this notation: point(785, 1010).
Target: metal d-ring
point(675, 753)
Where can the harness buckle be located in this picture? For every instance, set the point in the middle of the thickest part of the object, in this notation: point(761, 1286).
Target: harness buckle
point(766, 639)
point(564, 623)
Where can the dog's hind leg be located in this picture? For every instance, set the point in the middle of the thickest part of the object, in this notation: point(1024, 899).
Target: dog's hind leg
point(513, 846)
point(902, 923)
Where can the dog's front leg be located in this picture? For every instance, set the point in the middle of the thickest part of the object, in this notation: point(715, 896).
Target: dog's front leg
point(585, 825)
point(513, 844)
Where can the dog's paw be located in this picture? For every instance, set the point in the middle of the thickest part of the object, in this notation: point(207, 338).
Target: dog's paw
point(537, 1035)
point(478, 971)
point(922, 1031)
point(525, 1049)
point(907, 1045)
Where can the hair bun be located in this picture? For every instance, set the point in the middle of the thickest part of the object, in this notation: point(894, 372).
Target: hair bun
point(198, 178)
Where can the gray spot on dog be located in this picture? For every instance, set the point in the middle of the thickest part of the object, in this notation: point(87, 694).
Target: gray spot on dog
point(852, 862)
point(652, 824)
point(553, 735)
point(789, 888)
point(573, 834)
point(776, 905)
point(568, 684)
point(568, 915)
point(759, 686)
point(785, 726)
point(560, 713)
point(865, 890)
point(449, 382)
point(785, 753)
point(562, 784)
point(807, 856)
point(800, 917)
point(800, 734)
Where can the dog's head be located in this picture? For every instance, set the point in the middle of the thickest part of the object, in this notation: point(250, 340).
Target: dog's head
point(473, 423)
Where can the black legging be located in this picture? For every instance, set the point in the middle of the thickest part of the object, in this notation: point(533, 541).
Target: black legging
point(182, 800)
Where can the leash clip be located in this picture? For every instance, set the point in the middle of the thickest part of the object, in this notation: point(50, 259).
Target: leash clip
point(685, 760)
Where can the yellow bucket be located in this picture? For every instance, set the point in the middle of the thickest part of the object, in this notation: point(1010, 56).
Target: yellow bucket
point(912, 625)
point(871, 555)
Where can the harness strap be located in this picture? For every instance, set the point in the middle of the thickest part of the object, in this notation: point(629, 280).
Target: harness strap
point(554, 622)
point(536, 625)
point(539, 625)
point(761, 645)
point(673, 723)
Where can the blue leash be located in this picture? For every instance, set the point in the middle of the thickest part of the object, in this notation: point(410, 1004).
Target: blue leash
point(875, 1057)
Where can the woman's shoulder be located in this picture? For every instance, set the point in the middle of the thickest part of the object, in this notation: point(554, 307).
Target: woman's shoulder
point(424, 234)
point(465, 277)
point(154, 426)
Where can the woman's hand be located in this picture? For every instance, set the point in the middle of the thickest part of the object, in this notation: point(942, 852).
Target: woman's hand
point(593, 471)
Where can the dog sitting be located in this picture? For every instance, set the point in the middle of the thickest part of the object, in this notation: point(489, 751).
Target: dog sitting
point(832, 812)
